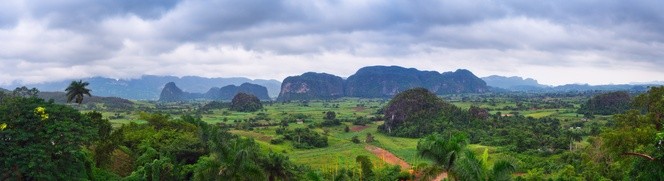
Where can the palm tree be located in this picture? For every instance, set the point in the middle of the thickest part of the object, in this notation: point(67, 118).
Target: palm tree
point(452, 156)
point(469, 167)
point(77, 90)
point(442, 151)
point(239, 160)
point(277, 166)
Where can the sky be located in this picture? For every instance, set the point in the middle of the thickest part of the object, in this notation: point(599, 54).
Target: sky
point(553, 41)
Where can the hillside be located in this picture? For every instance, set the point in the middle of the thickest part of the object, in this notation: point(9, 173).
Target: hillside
point(148, 87)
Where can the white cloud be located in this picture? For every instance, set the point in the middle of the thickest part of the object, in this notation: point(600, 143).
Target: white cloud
point(554, 43)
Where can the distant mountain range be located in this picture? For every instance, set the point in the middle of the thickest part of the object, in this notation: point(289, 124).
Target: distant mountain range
point(514, 83)
point(378, 82)
point(172, 93)
point(367, 82)
point(149, 87)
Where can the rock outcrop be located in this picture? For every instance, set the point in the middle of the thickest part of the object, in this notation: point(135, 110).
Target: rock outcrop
point(378, 82)
point(311, 86)
point(171, 93)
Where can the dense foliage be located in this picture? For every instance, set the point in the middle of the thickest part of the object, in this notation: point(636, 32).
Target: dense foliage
point(43, 140)
point(606, 104)
point(244, 102)
point(305, 138)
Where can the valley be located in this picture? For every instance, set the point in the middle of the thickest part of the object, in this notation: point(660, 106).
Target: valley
point(262, 127)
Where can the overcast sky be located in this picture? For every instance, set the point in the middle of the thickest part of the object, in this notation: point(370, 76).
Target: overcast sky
point(555, 42)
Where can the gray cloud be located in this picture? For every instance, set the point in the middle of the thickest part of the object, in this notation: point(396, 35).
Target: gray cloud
point(54, 40)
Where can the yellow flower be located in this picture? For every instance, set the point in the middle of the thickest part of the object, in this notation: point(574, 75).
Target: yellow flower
point(41, 112)
point(3, 126)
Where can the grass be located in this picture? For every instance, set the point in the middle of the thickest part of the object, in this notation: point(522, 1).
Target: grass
point(540, 113)
point(340, 153)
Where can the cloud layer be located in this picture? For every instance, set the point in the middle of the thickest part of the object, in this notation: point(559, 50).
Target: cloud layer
point(556, 42)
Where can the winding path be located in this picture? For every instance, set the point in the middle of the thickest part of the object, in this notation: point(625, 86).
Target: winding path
point(394, 160)
point(387, 157)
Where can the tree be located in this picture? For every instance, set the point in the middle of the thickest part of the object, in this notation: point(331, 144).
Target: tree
point(639, 134)
point(231, 158)
point(25, 92)
point(460, 163)
point(635, 133)
point(277, 166)
point(355, 139)
point(330, 115)
point(442, 151)
point(43, 140)
point(366, 166)
point(77, 90)
point(470, 167)
point(370, 138)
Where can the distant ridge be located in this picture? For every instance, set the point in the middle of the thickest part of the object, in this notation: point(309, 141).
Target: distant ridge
point(378, 82)
point(519, 84)
point(172, 93)
point(513, 83)
point(148, 87)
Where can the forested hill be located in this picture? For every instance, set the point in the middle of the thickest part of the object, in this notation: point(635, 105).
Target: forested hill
point(379, 82)
point(148, 87)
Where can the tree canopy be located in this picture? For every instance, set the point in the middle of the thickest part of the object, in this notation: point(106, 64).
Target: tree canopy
point(43, 140)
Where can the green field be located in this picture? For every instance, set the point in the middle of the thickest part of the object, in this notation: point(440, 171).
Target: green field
point(341, 151)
